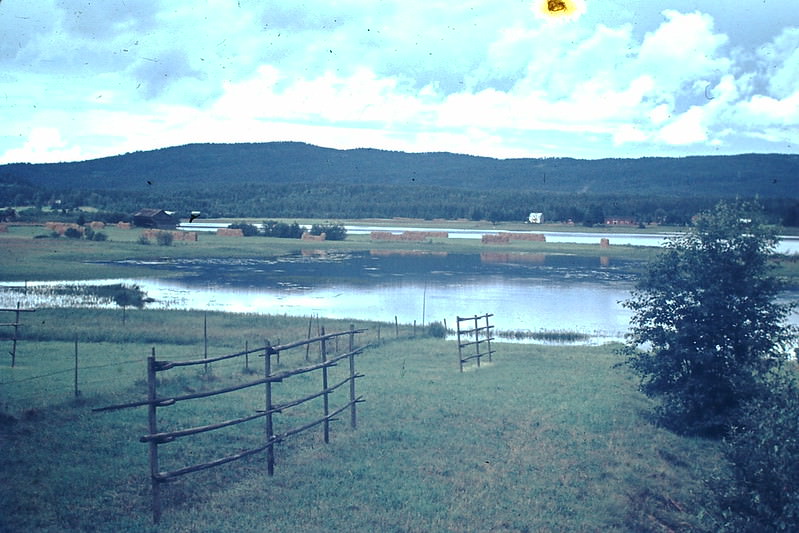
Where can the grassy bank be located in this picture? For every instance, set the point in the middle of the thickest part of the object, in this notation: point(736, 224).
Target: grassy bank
point(32, 258)
point(543, 439)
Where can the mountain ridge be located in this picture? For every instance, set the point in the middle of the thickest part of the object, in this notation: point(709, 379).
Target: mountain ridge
point(213, 165)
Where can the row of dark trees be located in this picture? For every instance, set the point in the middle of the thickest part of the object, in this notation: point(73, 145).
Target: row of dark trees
point(386, 201)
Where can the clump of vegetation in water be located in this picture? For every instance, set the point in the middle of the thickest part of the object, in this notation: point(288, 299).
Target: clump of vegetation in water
point(544, 335)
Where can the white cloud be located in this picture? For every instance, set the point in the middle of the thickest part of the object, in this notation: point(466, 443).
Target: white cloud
point(420, 76)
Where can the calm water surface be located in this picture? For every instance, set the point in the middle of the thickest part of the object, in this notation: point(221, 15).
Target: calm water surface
point(524, 291)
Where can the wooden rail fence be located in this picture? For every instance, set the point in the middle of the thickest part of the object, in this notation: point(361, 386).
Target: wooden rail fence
point(15, 324)
point(328, 359)
point(478, 336)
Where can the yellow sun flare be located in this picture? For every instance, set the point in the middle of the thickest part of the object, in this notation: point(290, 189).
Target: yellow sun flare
point(559, 9)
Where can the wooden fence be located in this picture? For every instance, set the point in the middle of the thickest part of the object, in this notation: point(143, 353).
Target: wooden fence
point(15, 324)
point(154, 438)
point(478, 336)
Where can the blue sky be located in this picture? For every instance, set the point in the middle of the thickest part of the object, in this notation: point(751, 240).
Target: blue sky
point(80, 80)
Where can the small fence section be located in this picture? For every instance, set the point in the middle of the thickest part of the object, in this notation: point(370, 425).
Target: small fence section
point(328, 359)
point(476, 335)
point(15, 324)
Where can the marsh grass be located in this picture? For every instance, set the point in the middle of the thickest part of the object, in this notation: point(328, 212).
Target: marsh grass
point(545, 439)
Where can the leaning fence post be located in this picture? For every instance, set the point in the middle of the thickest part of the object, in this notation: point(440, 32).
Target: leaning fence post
point(152, 425)
point(325, 399)
point(270, 449)
point(352, 376)
point(246, 356)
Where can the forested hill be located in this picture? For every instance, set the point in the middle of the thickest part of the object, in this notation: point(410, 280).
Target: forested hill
point(206, 166)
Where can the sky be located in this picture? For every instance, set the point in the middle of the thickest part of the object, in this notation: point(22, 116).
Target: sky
point(501, 78)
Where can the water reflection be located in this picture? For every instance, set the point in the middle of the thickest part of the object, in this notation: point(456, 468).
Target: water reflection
point(525, 291)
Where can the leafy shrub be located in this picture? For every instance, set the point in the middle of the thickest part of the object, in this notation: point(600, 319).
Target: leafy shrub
point(707, 312)
point(761, 493)
point(273, 228)
point(437, 330)
point(248, 230)
point(333, 232)
point(73, 233)
point(143, 240)
point(99, 236)
point(164, 238)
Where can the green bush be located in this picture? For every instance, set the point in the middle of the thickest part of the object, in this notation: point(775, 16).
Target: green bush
point(273, 228)
point(707, 330)
point(73, 233)
point(762, 493)
point(437, 330)
point(164, 238)
point(333, 232)
point(99, 236)
point(248, 230)
point(143, 240)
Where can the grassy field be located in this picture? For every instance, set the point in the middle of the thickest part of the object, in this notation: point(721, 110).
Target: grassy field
point(543, 439)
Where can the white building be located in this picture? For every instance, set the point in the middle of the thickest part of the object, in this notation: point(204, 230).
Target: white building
point(535, 218)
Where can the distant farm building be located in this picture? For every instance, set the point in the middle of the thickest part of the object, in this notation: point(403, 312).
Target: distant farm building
point(155, 218)
point(620, 221)
point(535, 218)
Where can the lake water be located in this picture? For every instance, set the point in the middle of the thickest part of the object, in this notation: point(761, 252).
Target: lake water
point(524, 291)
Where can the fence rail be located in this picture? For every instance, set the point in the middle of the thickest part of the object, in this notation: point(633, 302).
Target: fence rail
point(482, 339)
point(16, 325)
point(154, 437)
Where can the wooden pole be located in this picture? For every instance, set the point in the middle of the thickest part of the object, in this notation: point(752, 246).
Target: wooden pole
point(378, 334)
point(460, 346)
point(152, 426)
point(488, 338)
point(205, 341)
point(77, 392)
point(246, 356)
point(476, 340)
point(424, 302)
point(353, 421)
point(14, 339)
point(270, 450)
point(414, 328)
point(396, 327)
point(308, 346)
point(325, 398)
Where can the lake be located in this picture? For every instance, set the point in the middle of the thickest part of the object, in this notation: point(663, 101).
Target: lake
point(525, 291)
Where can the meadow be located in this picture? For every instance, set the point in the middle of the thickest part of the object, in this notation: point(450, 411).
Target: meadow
point(545, 438)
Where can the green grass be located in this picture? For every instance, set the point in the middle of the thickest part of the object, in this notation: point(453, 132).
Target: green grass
point(544, 439)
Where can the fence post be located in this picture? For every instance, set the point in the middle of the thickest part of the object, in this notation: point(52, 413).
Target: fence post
point(325, 399)
point(488, 338)
point(152, 425)
point(270, 450)
point(351, 335)
point(308, 346)
point(205, 341)
point(77, 392)
point(14, 340)
point(396, 327)
point(477, 340)
point(460, 346)
point(246, 356)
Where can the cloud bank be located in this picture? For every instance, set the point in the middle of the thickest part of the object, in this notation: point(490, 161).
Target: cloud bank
point(624, 79)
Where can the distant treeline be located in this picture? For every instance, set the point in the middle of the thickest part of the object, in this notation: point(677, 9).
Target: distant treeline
point(314, 200)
